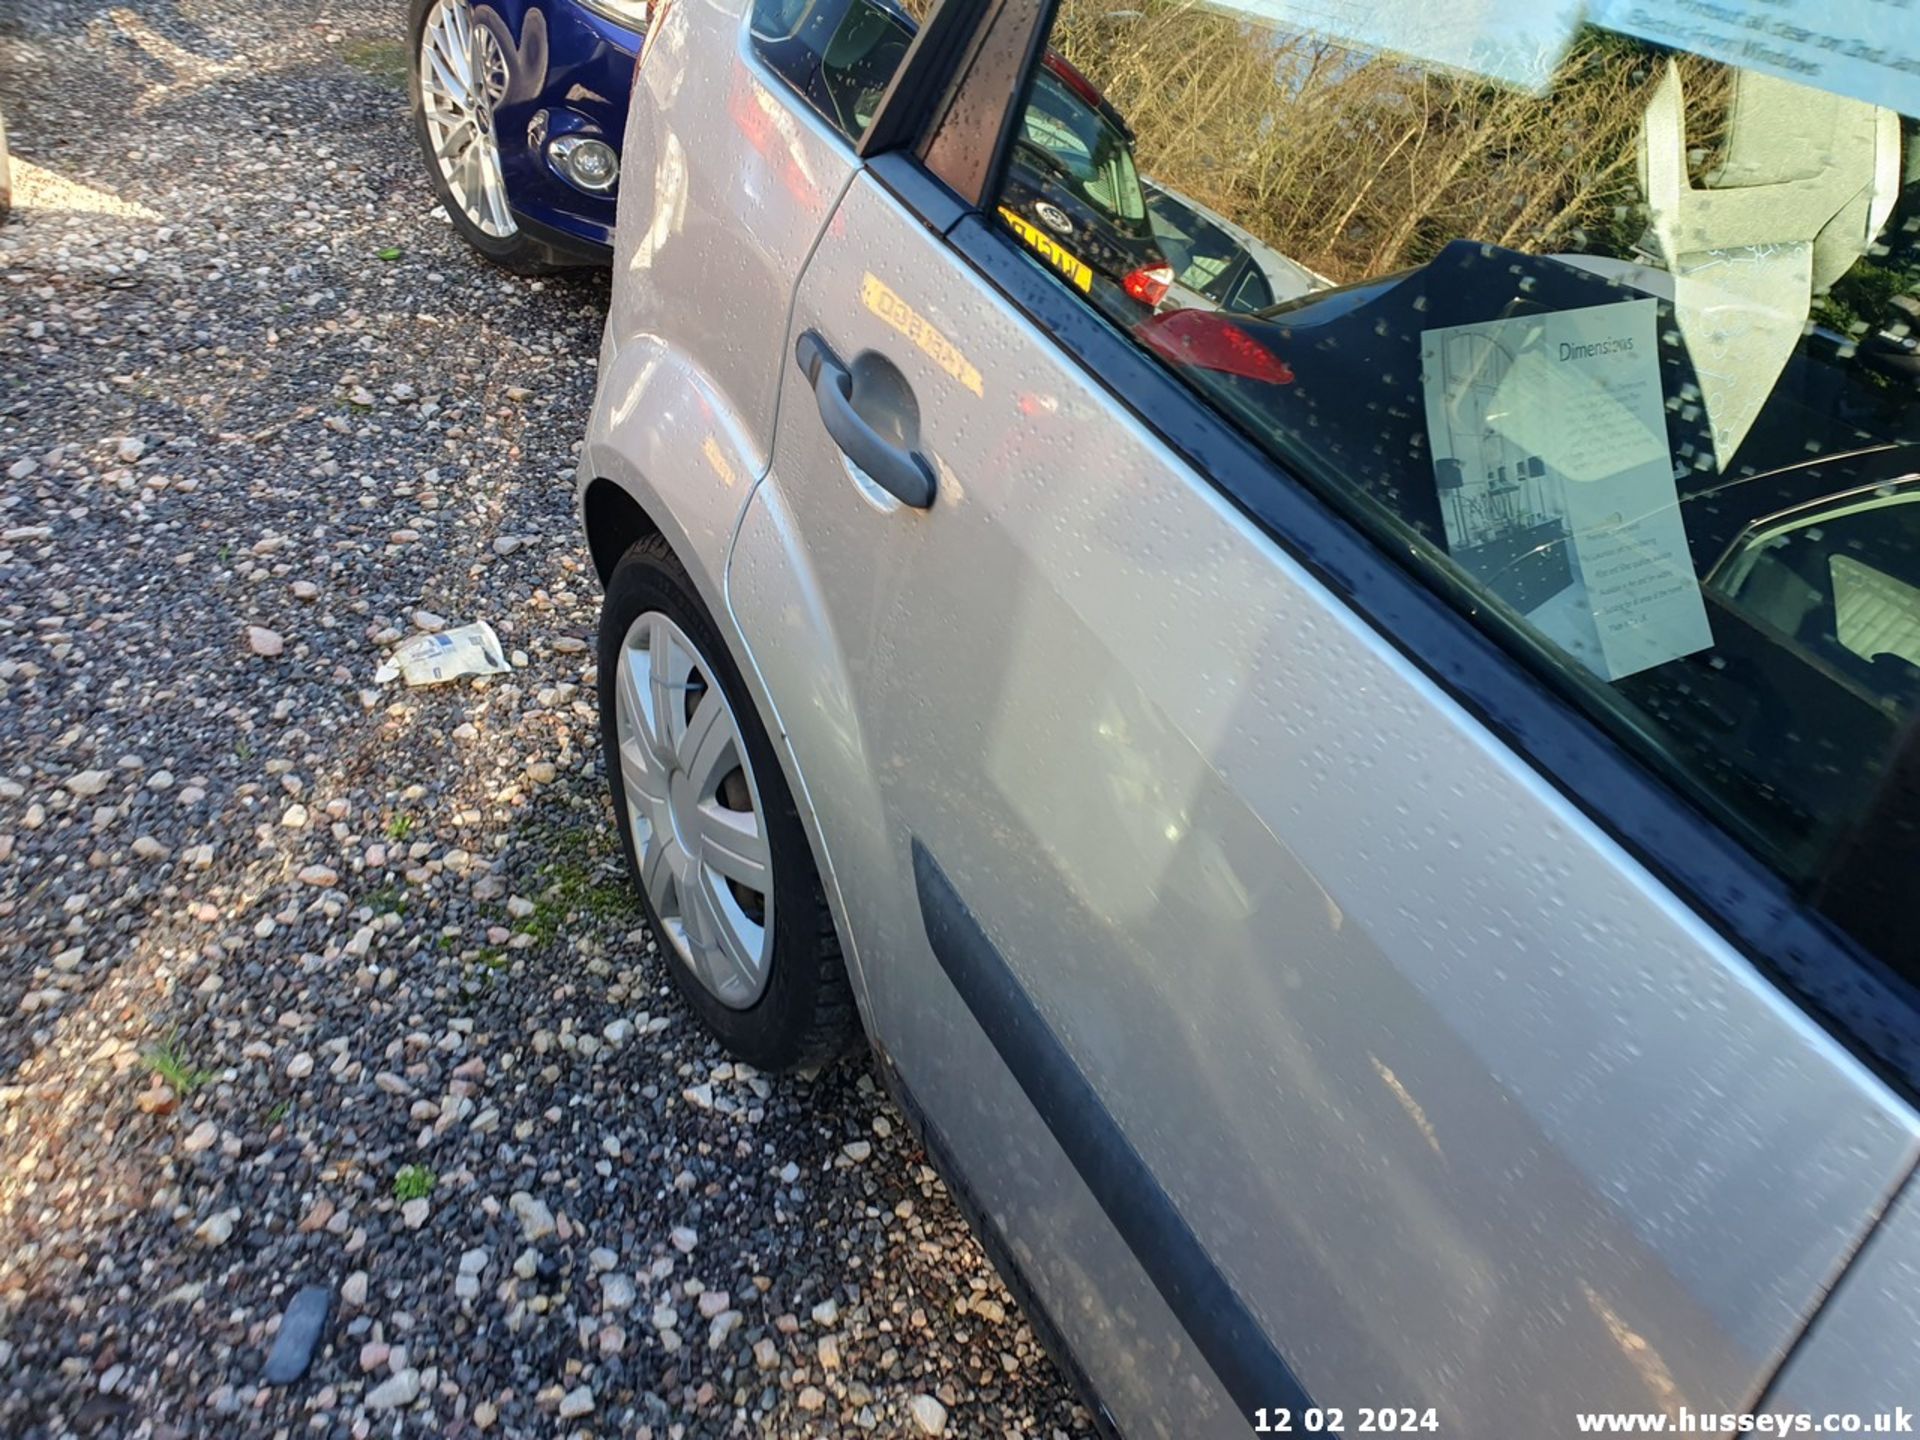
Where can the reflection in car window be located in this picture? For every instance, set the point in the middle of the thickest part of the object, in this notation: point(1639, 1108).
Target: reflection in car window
point(1092, 155)
point(1205, 257)
point(839, 54)
point(1250, 293)
point(1630, 368)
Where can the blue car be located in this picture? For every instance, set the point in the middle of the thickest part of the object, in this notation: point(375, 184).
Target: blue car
point(519, 106)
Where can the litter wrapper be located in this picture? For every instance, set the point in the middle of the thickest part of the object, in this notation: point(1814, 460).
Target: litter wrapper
point(451, 655)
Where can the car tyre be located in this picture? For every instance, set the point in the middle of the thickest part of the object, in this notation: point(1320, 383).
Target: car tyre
point(804, 1016)
point(518, 252)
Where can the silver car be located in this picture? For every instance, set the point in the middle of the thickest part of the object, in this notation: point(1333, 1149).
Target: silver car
point(1216, 264)
point(1374, 840)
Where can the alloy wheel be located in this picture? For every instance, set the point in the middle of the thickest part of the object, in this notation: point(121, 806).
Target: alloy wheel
point(463, 77)
point(699, 828)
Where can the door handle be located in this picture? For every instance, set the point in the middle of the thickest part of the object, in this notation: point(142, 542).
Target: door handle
point(902, 473)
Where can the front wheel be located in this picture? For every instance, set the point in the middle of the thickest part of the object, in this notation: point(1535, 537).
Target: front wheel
point(710, 829)
point(462, 70)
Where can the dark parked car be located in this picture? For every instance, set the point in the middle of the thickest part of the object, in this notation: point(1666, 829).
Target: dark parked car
point(1073, 172)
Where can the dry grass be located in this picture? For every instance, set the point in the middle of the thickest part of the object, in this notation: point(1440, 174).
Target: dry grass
point(1361, 165)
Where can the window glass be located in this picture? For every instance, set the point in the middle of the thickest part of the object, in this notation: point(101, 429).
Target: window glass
point(1204, 255)
point(839, 54)
point(1251, 292)
point(1620, 349)
point(1068, 134)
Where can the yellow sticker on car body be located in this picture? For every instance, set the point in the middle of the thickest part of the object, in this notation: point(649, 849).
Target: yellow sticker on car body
point(876, 295)
point(1051, 250)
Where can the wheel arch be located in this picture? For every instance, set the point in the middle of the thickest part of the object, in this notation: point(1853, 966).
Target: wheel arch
point(614, 520)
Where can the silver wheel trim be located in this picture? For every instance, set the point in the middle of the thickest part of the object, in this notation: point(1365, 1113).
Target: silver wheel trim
point(463, 76)
point(703, 859)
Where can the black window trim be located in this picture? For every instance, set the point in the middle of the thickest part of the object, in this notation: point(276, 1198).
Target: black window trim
point(1858, 999)
point(926, 75)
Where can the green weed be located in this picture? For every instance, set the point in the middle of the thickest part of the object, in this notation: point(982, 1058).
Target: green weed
point(166, 1061)
point(413, 1182)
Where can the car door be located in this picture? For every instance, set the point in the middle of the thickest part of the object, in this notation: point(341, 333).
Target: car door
point(1296, 987)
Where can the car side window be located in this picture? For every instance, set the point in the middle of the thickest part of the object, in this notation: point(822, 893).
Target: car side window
point(1205, 257)
point(1622, 350)
point(838, 54)
point(1251, 292)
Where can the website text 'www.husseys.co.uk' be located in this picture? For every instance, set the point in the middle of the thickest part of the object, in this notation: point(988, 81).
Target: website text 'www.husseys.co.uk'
point(1898, 1421)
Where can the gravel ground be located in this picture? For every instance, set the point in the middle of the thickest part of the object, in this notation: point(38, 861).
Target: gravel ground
point(308, 982)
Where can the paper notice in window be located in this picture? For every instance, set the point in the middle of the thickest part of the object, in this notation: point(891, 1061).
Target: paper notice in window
point(1556, 489)
point(1866, 49)
point(1517, 42)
